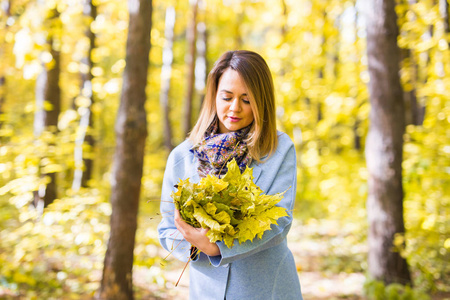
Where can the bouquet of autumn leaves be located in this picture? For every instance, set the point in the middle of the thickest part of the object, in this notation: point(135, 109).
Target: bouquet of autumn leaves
point(231, 207)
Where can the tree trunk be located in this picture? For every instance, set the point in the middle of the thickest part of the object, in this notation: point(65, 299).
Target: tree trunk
point(414, 112)
point(191, 40)
point(131, 133)
point(357, 137)
point(412, 107)
point(166, 74)
point(384, 144)
point(85, 139)
point(48, 103)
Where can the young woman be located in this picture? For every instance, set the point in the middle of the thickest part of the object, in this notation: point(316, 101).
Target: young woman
point(237, 120)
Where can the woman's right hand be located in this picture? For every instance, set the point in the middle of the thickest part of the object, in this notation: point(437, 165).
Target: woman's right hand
point(196, 236)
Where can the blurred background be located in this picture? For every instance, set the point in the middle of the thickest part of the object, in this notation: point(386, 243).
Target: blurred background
point(61, 75)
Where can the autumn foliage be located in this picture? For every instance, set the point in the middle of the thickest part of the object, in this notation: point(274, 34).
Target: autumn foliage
point(232, 207)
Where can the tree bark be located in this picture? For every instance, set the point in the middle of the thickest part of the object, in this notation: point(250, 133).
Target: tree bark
point(166, 74)
point(48, 103)
point(191, 40)
point(357, 137)
point(384, 144)
point(414, 112)
point(131, 133)
point(85, 140)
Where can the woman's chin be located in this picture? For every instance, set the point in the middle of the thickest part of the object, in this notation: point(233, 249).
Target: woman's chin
point(233, 128)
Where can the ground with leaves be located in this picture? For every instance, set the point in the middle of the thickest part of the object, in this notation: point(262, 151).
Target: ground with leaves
point(321, 250)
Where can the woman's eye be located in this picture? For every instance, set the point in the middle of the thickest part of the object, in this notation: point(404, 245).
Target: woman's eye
point(226, 99)
point(246, 101)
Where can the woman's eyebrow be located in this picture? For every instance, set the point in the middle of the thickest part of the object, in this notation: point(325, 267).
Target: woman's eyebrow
point(229, 92)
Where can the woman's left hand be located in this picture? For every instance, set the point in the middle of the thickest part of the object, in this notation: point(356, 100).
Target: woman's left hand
point(196, 236)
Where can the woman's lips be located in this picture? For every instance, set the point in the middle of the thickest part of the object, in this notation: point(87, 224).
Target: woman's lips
point(234, 119)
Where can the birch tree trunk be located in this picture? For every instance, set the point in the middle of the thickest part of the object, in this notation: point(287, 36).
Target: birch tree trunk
point(48, 103)
point(131, 133)
point(85, 139)
point(384, 144)
point(166, 75)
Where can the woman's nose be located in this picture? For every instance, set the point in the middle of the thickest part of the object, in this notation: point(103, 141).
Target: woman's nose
point(235, 105)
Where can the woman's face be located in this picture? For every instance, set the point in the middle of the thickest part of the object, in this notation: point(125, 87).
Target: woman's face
point(232, 103)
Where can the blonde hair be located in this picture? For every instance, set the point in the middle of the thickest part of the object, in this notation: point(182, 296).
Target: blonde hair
point(254, 71)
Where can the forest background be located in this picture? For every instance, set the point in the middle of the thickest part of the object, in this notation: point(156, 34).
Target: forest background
point(61, 76)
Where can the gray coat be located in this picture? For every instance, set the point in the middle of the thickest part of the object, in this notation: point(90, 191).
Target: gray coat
point(261, 269)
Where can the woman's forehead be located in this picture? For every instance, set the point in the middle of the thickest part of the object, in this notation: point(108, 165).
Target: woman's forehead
point(231, 82)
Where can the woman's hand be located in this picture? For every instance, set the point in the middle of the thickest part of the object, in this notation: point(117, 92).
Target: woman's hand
point(196, 236)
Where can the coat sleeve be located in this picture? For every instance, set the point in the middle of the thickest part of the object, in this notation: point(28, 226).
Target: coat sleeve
point(169, 236)
point(279, 174)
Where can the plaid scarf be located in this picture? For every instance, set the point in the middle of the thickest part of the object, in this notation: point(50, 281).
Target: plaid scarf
point(216, 149)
